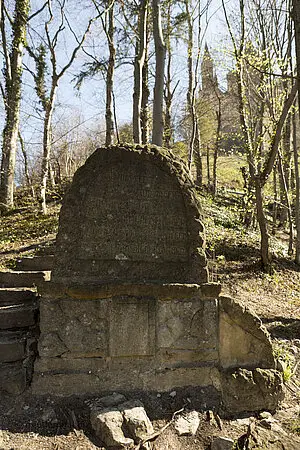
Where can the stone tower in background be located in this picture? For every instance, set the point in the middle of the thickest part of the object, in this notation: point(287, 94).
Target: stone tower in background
point(215, 101)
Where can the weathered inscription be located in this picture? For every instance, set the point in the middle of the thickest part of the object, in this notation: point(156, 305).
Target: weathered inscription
point(134, 212)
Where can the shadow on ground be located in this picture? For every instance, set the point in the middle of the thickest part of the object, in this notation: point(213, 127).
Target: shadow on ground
point(282, 327)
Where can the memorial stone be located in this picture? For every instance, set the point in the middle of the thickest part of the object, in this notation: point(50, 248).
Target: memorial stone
point(129, 306)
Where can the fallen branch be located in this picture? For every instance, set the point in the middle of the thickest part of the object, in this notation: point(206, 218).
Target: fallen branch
point(155, 435)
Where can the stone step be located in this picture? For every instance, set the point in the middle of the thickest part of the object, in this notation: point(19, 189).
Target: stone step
point(29, 263)
point(18, 316)
point(11, 278)
point(12, 347)
point(17, 296)
point(46, 249)
point(13, 378)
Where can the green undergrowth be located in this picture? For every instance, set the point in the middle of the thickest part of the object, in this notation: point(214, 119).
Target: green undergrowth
point(226, 235)
point(25, 227)
point(18, 227)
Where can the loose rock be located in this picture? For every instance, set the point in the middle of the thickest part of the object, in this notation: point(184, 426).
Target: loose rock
point(187, 423)
point(108, 427)
point(49, 415)
point(222, 443)
point(137, 422)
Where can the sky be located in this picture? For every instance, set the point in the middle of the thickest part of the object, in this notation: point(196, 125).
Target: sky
point(87, 106)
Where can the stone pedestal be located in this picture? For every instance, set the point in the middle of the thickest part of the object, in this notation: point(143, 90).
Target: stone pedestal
point(145, 337)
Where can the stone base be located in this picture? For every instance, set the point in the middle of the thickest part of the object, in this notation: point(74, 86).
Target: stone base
point(152, 337)
point(234, 392)
point(123, 377)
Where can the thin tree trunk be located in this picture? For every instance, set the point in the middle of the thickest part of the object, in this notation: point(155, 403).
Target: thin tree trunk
point(288, 205)
point(275, 201)
point(168, 92)
point(216, 149)
point(160, 54)
point(47, 146)
point(26, 168)
point(138, 72)
point(197, 152)
point(262, 222)
point(145, 101)
point(285, 165)
point(297, 190)
point(190, 82)
point(195, 141)
point(110, 77)
point(208, 166)
point(13, 97)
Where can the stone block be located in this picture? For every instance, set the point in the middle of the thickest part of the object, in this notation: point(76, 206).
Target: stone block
point(50, 345)
point(12, 349)
point(70, 364)
point(80, 325)
point(210, 290)
point(16, 296)
point(187, 324)
point(43, 262)
point(52, 318)
point(12, 378)
point(21, 279)
point(168, 378)
point(132, 327)
point(249, 391)
point(173, 356)
point(62, 384)
point(17, 316)
point(244, 342)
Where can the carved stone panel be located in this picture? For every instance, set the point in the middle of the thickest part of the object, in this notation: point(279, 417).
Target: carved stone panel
point(132, 327)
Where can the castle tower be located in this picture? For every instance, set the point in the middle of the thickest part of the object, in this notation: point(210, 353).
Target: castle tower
point(208, 75)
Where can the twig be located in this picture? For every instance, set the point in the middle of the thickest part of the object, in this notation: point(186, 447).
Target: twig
point(155, 435)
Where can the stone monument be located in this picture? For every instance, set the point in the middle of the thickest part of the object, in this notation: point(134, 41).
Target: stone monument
point(129, 306)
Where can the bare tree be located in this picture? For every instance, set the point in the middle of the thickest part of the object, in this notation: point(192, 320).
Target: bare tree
point(296, 20)
point(263, 111)
point(160, 55)
point(47, 98)
point(12, 96)
point(139, 64)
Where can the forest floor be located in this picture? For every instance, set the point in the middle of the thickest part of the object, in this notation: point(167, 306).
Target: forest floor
point(233, 253)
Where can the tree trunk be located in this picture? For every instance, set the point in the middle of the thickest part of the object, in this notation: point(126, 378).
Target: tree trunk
point(275, 201)
point(216, 149)
point(145, 101)
point(287, 205)
point(208, 167)
point(168, 135)
point(297, 189)
point(47, 146)
point(26, 168)
point(13, 96)
point(262, 222)
point(285, 171)
point(160, 55)
point(110, 77)
point(138, 72)
point(198, 155)
point(168, 100)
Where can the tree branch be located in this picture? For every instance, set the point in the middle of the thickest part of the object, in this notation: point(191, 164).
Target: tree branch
point(277, 135)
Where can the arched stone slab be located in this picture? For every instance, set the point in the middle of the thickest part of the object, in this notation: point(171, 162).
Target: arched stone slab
point(131, 214)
